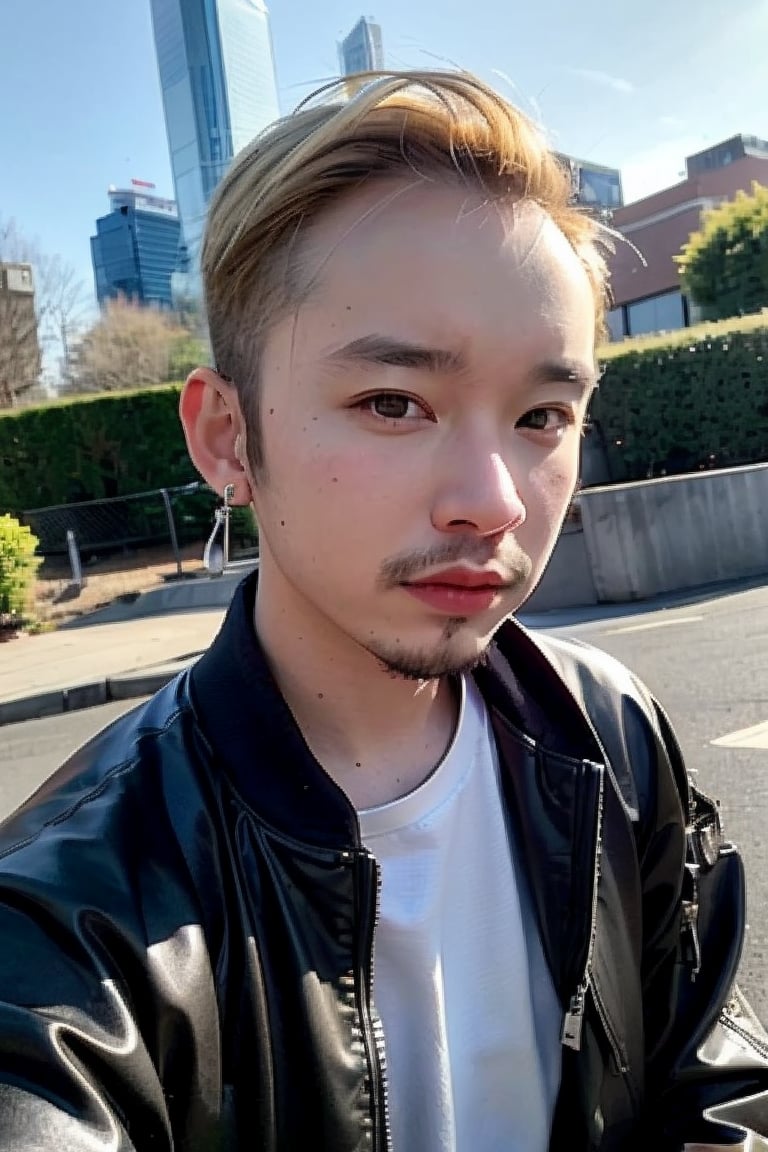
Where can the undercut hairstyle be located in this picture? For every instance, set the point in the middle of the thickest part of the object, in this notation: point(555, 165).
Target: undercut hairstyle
point(417, 125)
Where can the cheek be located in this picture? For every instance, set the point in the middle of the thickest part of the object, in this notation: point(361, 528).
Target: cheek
point(327, 491)
point(351, 477)
point(552, 487)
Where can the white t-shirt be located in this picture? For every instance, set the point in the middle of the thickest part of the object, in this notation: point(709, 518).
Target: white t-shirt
point(471, 1019)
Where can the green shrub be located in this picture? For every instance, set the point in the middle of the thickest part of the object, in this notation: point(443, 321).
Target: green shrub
point(18, 565)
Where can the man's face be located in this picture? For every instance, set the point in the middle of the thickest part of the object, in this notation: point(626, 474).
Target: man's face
point(421, 414)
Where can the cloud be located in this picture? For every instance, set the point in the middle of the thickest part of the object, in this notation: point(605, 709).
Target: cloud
point(605, 79)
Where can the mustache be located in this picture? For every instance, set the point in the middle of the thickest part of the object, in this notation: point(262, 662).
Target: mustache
point(515, 565)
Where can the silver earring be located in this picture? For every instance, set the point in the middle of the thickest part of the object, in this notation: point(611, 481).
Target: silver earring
point(216, 551)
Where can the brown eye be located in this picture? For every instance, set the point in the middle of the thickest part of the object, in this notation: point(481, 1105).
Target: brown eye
point(545, 420)
point(391, 405)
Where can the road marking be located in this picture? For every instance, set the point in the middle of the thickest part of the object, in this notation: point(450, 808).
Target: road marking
point(755, 737)
point(654, 624)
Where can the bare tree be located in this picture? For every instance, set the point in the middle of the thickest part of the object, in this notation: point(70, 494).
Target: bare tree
point(129, 346)
point(62, 309)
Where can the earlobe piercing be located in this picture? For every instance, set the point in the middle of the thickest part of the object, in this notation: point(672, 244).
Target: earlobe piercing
point(216, 551)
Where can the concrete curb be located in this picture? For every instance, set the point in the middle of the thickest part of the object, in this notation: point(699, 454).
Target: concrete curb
point(202, 592)
point(125, 686)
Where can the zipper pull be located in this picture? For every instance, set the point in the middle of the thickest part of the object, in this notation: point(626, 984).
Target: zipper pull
point(690, 921)
point(570, 1036)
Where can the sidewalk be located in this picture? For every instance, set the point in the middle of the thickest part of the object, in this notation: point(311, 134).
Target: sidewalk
point(126, 650)
point(81, 667)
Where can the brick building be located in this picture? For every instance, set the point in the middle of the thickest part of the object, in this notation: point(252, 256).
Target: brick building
point(647, 295)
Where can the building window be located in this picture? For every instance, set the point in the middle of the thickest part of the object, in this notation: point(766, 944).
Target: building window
point(662, 313)
point(617, 323)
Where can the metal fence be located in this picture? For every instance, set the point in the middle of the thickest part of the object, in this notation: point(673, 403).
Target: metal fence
point(174, 517)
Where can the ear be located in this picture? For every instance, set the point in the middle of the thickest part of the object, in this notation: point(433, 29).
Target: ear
point(215, 430)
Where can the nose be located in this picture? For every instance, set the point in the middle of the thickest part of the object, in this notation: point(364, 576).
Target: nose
point(481, 496)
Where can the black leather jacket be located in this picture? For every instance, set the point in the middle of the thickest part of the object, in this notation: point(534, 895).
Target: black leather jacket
point(187, 919)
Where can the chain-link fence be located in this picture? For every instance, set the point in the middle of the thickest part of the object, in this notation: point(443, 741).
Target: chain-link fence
point(170, 517)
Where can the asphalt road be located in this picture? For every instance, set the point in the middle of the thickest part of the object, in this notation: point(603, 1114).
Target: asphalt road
point(30, 752)
point(708, 664)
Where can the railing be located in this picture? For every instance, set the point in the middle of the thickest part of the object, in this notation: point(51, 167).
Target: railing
point(173, 517)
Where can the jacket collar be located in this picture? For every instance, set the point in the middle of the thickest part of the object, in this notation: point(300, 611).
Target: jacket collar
point(256, 740)
point(258, 744)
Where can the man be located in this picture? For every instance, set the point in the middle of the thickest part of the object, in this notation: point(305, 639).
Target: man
point(383, 871)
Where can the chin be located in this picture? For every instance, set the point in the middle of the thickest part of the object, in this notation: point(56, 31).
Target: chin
point(429, 658)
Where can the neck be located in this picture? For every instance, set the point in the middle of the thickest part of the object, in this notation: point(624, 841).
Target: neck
point(376, 734)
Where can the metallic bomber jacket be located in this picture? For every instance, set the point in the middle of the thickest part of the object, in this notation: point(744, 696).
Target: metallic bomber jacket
point(187, 919)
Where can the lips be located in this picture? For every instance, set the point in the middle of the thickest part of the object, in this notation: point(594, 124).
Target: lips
point(460, 578)
point(457, 591)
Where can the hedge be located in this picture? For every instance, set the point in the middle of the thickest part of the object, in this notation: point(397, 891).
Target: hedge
point(92, 448)
point(690, 400)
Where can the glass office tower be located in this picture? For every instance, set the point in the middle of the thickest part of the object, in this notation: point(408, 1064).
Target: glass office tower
point(362, 50)
point(136, 248)
point(219, 91)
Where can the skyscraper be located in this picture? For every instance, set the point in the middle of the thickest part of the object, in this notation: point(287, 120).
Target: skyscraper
point(136, 247)
point(219, 91)
point(362, 50)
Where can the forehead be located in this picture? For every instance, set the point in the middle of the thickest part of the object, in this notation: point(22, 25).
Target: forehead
point(441, 263)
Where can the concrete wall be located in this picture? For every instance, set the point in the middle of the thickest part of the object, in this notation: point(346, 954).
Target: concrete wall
point(665, 535)
point(567, 582)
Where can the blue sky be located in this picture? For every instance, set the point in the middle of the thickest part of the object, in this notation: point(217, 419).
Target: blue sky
point(638, 89)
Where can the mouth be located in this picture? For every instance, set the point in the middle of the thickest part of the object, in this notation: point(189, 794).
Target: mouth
point(459, 592)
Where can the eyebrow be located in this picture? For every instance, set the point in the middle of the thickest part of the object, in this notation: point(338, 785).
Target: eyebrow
point(385, 350)
point(388, 351)
point(564, 372)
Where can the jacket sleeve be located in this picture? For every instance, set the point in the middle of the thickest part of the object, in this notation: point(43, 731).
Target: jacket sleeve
point(108, 1020)
point(707, 1054)
point(74, 1071)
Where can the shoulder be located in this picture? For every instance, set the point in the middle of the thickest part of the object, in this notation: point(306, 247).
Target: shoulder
point(115, 779)
point(630, 726)
point(117, 853)
point(592, 674)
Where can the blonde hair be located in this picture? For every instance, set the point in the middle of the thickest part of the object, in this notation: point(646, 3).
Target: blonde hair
point(446, 126)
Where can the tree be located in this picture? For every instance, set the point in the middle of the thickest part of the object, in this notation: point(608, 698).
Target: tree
point(130, 346)
point(724, 266)
point(62, 309)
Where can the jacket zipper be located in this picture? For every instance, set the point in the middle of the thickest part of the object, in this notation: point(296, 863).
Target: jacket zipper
point(573, 1021)
point(373, 1035)
point(755, 1042)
